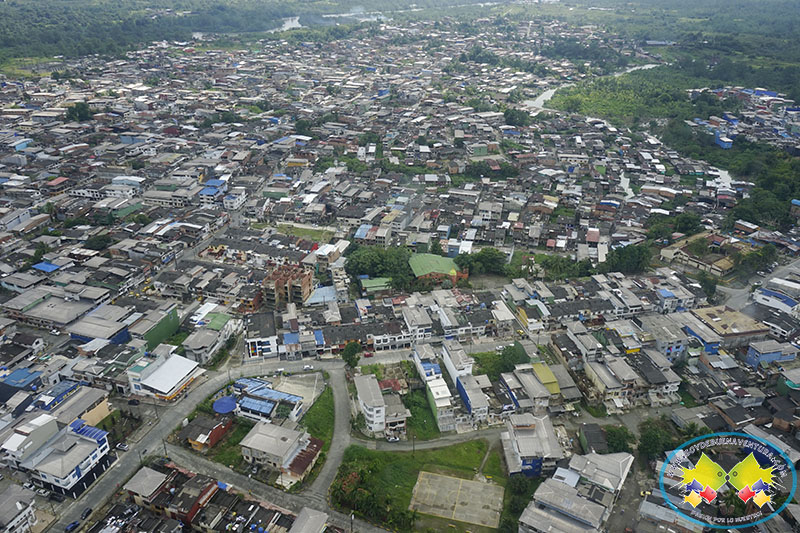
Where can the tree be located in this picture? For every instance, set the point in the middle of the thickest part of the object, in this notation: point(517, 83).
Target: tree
point(630, 259)
point(350, 354)
point(98, 242)
point(79, 112)
point(698, 247)
point(655, 438)
point(303, 127)
point(619, 439)
point(517, 117)
point(708, 283)
point(436, 247)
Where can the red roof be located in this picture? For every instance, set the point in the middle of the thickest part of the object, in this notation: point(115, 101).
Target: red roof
point(57, 181)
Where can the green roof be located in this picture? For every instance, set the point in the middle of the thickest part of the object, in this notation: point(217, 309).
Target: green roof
point(424, 264)
point(376, 284)
point(217, 321)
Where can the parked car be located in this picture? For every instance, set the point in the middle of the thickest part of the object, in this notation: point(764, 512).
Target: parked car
point(56, 497)
point(72, 526)
point(308, 367)
point(86, 512)
point(368, 354)
point(393, 439)
point(28, 485)
point(43, 492)
point(122, 446)
point(133, 402)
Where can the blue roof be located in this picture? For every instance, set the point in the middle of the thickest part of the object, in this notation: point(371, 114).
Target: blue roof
point(435, 366)
point(259, 406)
point(44, 266)
point(362, 231)
point(319, 337)
point(291, 338)
point(79, 427)
point(225, 405)
point(215, 183)
point(21, 378)
point(210, 191)
point(250, 383)
point(664, 293)
point(782, 297)
point(261, 388)
point(322, 295)
point(795, 202)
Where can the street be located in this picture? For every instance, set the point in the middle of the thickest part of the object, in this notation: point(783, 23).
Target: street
point(737, 299)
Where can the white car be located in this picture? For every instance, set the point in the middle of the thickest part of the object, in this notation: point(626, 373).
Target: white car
point(393, 439)
point(308, 367)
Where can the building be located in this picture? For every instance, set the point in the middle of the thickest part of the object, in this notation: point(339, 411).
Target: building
point(71, 459)
point(292, 453)
point(558, 506)
point(287, 284)
point(436, 268)
point(164, 376)
point(17, 510)
point(261, 338)
point(734, 328)
point(770, 351)
point(426, 362)
point(456, 360)
point(371, 403)
point(441, 402)
point(473, 397)
point(530, 445)
point(205, 432)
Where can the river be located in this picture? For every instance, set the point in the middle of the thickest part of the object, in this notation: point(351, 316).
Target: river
point(543, 98)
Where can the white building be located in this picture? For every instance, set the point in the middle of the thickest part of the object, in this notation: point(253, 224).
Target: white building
point(456, 360)
point(371, 403)
point(17, 512)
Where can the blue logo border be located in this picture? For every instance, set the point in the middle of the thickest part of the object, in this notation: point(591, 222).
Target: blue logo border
point(726, 434)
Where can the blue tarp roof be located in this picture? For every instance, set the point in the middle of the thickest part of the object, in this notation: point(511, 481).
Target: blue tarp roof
point(362, 231)
point(319, 337)
point(291, 338)
point(210, 191)
point(225, 405)
point(666, 293)
point(259, 406)
point(435, 366)
point(44, 266)
point(215, 183)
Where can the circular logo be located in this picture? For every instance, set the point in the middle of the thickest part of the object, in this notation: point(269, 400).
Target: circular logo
point(727, 480)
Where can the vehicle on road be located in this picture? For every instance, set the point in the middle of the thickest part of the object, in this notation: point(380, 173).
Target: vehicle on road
point(86, 512)
point(43, 492)
point(368, 354)
point(308, 367)
point(393, 439)
point(133, 402)
point(122, 446)
point(72, 526)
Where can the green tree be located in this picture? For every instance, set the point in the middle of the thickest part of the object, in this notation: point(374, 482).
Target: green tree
point(436, 247)
point(655, 437)
point(350, 354)
point(698, 247)
point(79, 112)
point(517, 117)
point(619, 439)
point(708, 283)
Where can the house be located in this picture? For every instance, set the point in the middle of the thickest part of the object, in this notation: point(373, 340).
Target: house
point(426, 362)
point(370, 402)
point(205, 432)
point(436, 268)
point(441, 402)
point(164, 376)
point(456, 360)
point(190, 498)
point(145, 485)
point(292, 453)
point(558, 506)
point(471, 393)
point(261, 338)
point(530, 445)
point(770, 351)
point(17, 510)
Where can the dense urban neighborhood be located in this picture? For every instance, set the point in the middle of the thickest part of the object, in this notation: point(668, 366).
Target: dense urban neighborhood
point(375, 282)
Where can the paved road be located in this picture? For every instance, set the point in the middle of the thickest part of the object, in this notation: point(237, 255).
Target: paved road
point(128, 462)
point(341, 434)
point(739, 298)
point(492, 435)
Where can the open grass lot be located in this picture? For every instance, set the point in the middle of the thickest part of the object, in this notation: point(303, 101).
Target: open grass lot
point(494, 468)
point(316, 235)
point(319, 419)
point(422, 423)
point(379, 485)
point(227, 451)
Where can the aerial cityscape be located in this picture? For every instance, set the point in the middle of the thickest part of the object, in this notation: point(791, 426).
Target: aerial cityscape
point(527, 266)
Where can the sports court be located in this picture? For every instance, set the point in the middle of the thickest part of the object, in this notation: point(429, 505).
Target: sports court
point(458, 499)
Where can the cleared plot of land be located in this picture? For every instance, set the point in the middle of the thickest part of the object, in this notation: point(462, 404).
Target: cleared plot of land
point(458, 499)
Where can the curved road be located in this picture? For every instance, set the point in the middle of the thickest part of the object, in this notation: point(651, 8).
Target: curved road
point(315, 497)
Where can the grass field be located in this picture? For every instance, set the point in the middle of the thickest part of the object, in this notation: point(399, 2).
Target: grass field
point(422, 423)
point(227, 451)
point(494, 468)
point(316, 235)
point(319, 419)
point(395, 473)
